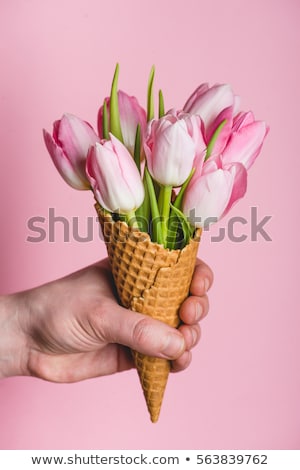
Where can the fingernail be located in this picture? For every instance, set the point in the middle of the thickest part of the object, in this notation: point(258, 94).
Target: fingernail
point(198, 311)
point(174, 345)
point(194, 336)
point(206, 284)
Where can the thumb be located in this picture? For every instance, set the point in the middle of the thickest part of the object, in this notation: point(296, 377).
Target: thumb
point(139, 332)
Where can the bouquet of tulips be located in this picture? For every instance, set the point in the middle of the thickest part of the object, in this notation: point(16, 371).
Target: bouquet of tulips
point(157, 182)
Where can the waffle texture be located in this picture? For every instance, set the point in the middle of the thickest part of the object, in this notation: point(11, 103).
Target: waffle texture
point(152, 280)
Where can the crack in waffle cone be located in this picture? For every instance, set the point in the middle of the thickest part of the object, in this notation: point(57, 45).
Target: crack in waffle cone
point(152, 280)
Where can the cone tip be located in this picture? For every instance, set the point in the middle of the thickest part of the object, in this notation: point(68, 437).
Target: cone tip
point(154, 415)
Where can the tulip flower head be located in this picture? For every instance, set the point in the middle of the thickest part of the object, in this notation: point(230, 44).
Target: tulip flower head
point(239, 136)
point(208, 102)
point(68, 148)
point(245, 140)
point(131, 115)
point(211, 194)
point(114, 177)
point(170, 150)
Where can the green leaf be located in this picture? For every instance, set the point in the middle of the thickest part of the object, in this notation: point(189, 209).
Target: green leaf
point(115, 124)
point(137, 147)
point(150, 100)
point(213, 139)
point(173, 220)
point(179, 198)
point(186, 227)
point(105, 129)
point(161, 104)
point(173, 230)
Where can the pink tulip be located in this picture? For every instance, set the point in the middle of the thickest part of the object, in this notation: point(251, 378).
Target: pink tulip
point(245, 141)
point(114, 177)
point(68, 148)
point(214, 105)
point(241, 137)
point(239, 175)
point(208, 102)
point(131, 114)
point(209, 196)
point(195, 129)
point(170, 150)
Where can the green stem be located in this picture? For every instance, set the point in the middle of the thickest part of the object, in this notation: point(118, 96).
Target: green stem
point(165, 199)
point(156, 232)
point(131, 220)
point(160, 197)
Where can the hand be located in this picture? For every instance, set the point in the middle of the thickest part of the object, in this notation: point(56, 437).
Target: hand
point(73, 328)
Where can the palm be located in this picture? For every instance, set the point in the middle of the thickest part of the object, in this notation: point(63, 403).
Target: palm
point(67, 344)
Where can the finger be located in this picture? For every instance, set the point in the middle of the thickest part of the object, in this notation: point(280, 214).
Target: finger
point(191, 335)
point(194, 309)
point(202, 279)
point(115, 324)
point(182, 362)
point(67, 368)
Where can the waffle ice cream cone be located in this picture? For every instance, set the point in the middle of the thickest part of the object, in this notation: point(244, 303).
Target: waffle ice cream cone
point(152, 280)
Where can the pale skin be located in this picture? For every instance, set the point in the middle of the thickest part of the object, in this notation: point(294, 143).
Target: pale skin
point(73, 328)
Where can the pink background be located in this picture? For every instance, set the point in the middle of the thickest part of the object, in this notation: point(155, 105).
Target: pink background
point(242, 389)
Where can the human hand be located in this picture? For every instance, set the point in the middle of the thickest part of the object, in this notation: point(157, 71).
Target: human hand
point(73, 328)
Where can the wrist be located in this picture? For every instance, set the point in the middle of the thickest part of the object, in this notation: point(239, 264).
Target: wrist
point(13, 344)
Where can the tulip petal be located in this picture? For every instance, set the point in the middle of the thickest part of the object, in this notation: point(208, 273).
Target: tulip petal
point(244, 145)
point(227, 116)
point(63, 164)
point(210, 165)
point(75, 137)
point(198, 163)
point(207, 197)
point(239, 174)
point(102, 169)
point(171, 157)
point(131, 114)
point(129, 171)
point(209, 104)
point(241, 120)
point(196, 130)
point(114, 177)
point(197, 93)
